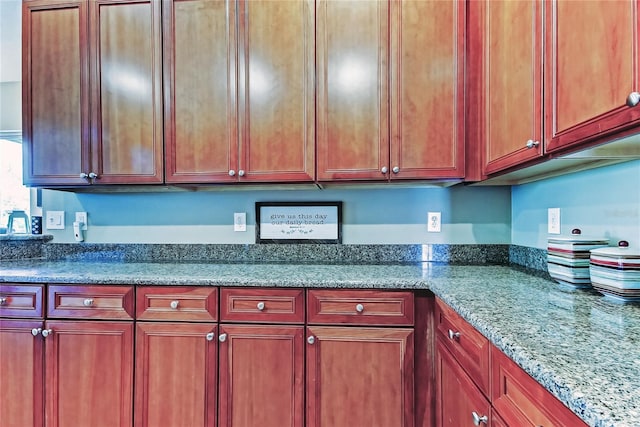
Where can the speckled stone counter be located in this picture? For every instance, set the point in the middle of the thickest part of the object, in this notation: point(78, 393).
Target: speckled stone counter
point(582, 348)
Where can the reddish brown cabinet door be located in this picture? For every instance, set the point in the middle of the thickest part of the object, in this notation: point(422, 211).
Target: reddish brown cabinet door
point(276, 86)
point(261, 376)
point(22, 374)
point(55, 92)
point(89, 373)
point(506, 64)
point(359, 376)
point(592, 65)
point(176, 374)
point(352, 57)
point(427, 89)
point(458, 400)
point(200, 61)
point(126, 98)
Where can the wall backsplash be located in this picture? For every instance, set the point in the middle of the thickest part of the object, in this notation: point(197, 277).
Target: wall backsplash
point(377, 215)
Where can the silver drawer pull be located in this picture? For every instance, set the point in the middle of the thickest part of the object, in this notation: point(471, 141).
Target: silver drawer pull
point(3, 301)
point(88, 302)
point(46, 332)
point(359, 308)
point(210, 336)
point(222, 337)
point(260, 306)
point(477, 419)
point(454, 335)
point(311, 339)
point(174, 304)
point(36, 331)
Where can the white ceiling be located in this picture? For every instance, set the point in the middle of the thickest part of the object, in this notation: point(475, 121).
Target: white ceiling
point(10, 40)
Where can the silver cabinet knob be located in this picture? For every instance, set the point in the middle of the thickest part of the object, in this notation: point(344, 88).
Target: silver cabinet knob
point(84, 175)
point(633, 99)
point(222, 337)
point(88, 302)
point(46, 332)
point(477, 419)
point(531, 143)
point(384, 169)
point(210, 336)
point(241, 172)
point(93, 175)
point(260, 306)
point(3, 301)
point(396, 169)
point(311, 339)
point(359, 308)
point(36, 331)
point(453, 335)
point(232, 172)
point(174, 304)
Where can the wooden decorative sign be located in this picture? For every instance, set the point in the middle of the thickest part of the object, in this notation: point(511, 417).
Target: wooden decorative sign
point(299, 222)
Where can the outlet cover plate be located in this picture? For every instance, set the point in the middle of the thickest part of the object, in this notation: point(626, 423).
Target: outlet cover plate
point(434, 224)
point(55, 220)
point(240, 221)
point(553, 220)
point(82, 217)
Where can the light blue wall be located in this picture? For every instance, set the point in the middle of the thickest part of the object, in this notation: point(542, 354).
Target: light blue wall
point(601, 202)
point(386, 214)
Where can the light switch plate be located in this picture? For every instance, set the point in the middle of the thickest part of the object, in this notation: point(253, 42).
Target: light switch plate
point(82, 218)
point(240, 221)
point(55, 220)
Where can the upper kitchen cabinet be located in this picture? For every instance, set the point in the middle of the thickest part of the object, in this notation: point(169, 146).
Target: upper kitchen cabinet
point(390, 89)
point(506, 75)
point(126, 83)
point(55, 88)
point(92, 92)
point(592, 64)
point(239, 100)
point(427, 89)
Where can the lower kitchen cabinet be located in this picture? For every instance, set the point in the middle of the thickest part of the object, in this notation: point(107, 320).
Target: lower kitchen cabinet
point(359, 376)
point(89, 373)
point(176, 374)
point(261, 376)
point(459, 402)
point(21, 374)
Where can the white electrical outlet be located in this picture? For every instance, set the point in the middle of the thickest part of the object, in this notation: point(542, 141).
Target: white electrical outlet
point(240, 221)
point(553, 220)
point(433, 222)
point(54, 220)
point(81, 217)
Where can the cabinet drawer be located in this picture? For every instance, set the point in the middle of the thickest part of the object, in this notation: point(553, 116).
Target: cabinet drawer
point(262, 305)
point(363, 307)
point(175, 303)
point(521, 400)
point(467, 345)
point(21, 300)
point(90, 302)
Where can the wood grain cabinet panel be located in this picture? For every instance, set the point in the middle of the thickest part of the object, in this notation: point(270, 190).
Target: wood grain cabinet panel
point(360, 307)
point(522, 401)
point(22, 374)
point(359, 376)
point(176, 374)
point(592, 64)
point(352, 58)
point(262, 305)
point(89, 373)
point(22, 301)
point(261, 376)
point(55, 92)
point(177, 303)
point(506, 63)
point(466, 344)
point(427, 92)
point(126, 73)
point(457, 396)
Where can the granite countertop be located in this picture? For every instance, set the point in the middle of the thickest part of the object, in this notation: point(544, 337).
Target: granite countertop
point(582, 348)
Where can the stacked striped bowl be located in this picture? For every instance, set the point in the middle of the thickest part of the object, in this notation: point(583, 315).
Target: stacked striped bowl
point(615, 272)
point(568, 258)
